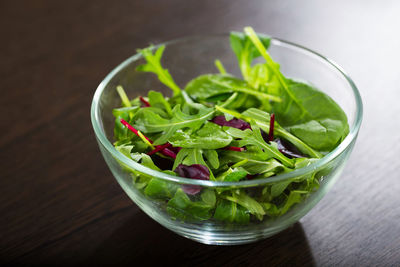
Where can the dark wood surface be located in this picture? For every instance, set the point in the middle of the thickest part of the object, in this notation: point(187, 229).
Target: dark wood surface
point(59, 202)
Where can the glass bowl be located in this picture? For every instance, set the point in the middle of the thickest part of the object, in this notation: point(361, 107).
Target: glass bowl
point(185, 59)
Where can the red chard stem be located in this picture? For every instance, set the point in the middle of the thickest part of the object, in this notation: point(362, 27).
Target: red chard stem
point(159, 148)
point(235, 148)
point(144, 101)
point(271, 128)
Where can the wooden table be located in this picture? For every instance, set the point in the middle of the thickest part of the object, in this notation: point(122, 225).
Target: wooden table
point(59, 202)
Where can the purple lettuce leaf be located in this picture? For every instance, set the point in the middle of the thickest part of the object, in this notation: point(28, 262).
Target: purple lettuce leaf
point(195, 171)
point(235, 123)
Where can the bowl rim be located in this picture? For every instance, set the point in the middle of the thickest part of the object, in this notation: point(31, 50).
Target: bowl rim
point(354, 128)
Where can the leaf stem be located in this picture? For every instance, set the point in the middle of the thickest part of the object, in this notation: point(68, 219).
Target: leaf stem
point(230, 112)
point(271, 128)
point(263, 51)
point(235, 148)
point(304, 148)
point(123, 96)
point(159, 148)
point(219, 66)
point(163, 149)
point(144, 101)
point(240, 163)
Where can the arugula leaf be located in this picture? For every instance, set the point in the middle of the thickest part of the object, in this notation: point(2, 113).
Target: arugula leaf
point(245, 51)
point(154, 65)
point(254, 137)
point(210, 136)
point(149, 122)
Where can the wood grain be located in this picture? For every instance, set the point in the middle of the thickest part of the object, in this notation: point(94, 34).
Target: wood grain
point(59, 202)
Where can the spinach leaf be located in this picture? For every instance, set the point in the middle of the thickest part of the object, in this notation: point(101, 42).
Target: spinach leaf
point(153, 64)
point(322, 126)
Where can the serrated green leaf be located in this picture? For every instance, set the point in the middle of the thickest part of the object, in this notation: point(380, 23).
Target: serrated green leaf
point(154, 65)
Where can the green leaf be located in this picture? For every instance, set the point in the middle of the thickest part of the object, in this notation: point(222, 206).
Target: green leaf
point(235, 176)
point(145, 160)
point(278, 188)
point(156, 99)
point(208, 196)
point(149, 122)
point(154, 65)
point(125, 149)
point(254, 137)
point(140, 179)
point(120, 131)
point(212, 158)
point(210, 136)
point(228, 211)
point(269, 166)
point(257, 162)
point(262, 120)
point(211, 85)
point(245, 50)
point(181, 207)
point(322, 124)
point(125, 111)
point(247, 202)
point(158, 188)
point(302, 104)
point(189, 156)
point(294, 197)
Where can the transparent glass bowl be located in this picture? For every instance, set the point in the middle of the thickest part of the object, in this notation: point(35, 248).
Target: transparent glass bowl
point(187, 58)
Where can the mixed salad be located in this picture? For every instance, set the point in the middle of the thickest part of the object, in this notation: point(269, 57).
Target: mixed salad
point(228, 129)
